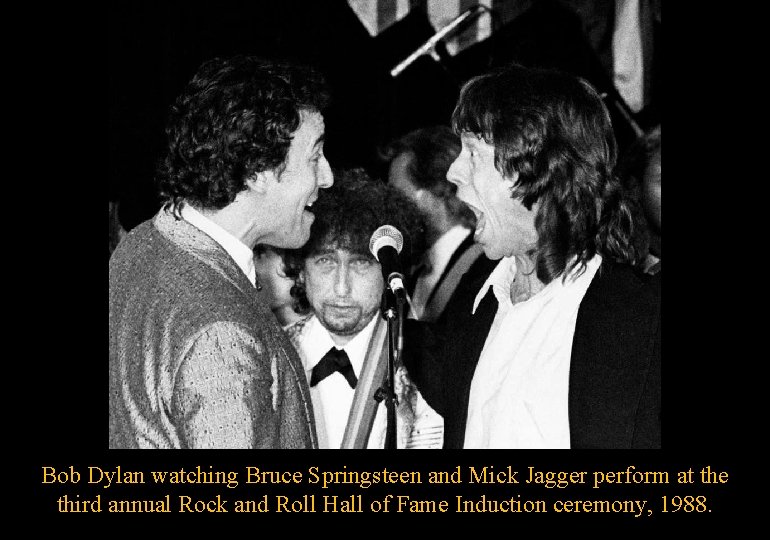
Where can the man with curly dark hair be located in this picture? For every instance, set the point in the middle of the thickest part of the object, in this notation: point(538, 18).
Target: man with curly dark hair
point(341, 284)
point(560, 346)
point(197, 359)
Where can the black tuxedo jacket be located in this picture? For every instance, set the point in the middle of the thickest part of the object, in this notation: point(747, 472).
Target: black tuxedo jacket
point(615, 370)
point(479, 269)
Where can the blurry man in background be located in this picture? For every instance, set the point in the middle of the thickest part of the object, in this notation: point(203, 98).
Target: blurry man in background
point(276, 286)
point(418, 163)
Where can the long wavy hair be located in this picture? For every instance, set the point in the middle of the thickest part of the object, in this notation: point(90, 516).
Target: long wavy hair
point(235, 118)
point(555, 132)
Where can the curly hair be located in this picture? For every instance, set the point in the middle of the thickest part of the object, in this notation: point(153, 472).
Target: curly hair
point(234, 119)
point(346, 215)
point(554, 131)
point(433, 150)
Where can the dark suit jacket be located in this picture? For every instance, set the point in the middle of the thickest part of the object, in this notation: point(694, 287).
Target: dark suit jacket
point(479, 269)
point(615, 373)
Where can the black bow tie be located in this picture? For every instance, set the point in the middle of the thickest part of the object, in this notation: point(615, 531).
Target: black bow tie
point(334, 360)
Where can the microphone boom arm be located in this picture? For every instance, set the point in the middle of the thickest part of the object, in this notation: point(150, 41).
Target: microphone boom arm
point(429, 45)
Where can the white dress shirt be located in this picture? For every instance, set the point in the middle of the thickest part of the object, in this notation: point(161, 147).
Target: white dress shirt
point(519, 392)
point(418, 425)
point(333, 396)
point(438, 257)
point(242, 254)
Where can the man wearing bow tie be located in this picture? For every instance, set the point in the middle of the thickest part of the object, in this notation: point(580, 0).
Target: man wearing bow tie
point(340, 283)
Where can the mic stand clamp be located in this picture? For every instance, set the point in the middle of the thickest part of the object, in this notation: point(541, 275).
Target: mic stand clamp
point(385, 393)
point(393, 311)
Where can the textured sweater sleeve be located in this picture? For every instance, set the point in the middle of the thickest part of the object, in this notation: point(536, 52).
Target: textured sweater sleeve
point(223, 389)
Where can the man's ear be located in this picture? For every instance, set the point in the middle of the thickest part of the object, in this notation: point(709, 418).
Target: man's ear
point(425, 199)
point(424, 195)
point(261, 181)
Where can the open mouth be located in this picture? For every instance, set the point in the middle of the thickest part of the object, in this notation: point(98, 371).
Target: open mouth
point(475, 210)
point(480, 221)
point(309, 206)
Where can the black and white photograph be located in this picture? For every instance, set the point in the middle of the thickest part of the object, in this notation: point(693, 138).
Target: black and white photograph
point(385, 224)
point(379, 227)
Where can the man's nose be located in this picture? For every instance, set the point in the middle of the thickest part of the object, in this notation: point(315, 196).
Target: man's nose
point(458, 172)
point(325, 176)
point(342, 281)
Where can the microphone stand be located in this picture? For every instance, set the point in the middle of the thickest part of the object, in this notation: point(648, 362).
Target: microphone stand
point(429, 47)
point(393, 312)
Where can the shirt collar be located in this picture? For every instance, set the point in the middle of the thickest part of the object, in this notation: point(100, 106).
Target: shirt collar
point(318, 341)
point(240, 252)
point(500, 280)
point(504, 273)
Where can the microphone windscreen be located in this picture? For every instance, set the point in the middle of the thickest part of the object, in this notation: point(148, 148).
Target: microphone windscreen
point(386, 235)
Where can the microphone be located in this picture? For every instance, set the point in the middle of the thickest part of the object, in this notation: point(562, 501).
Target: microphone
point(426, 47)
point(385, 244)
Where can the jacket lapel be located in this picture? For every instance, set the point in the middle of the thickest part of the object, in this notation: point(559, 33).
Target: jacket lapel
point(612, 352)
point(205, 249)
